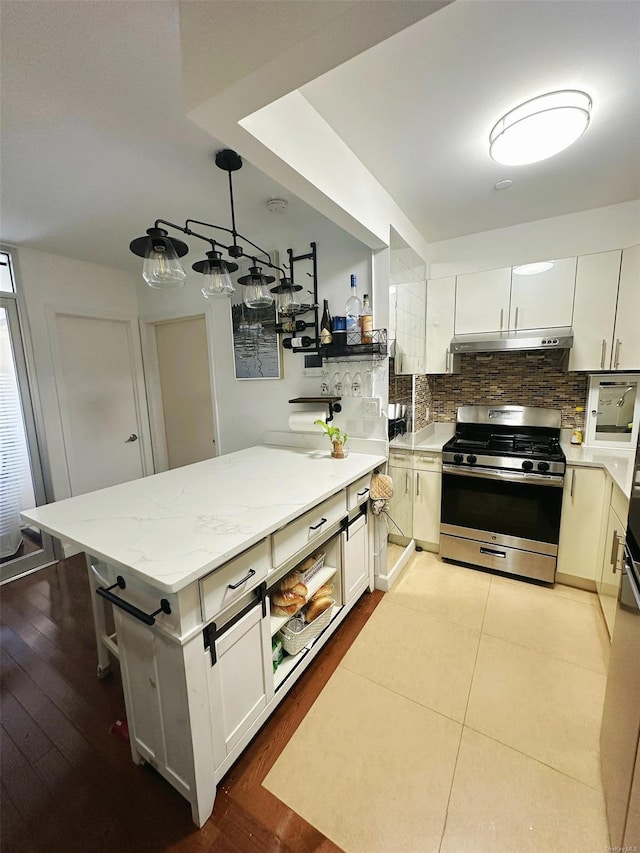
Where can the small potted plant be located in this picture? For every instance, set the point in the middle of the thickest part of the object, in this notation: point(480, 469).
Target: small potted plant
point(337, 438)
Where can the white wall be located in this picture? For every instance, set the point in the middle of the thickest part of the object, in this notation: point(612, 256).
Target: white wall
point(597, 230)
point(51, 282)
point(247, 408)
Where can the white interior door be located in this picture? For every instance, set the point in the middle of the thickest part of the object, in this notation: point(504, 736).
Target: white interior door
point(185, 380)
point(99, 401)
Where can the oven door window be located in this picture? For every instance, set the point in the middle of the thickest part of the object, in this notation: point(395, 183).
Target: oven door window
point(523, 510)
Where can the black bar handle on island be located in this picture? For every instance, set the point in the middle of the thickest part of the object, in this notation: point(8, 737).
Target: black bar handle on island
point(131, 609)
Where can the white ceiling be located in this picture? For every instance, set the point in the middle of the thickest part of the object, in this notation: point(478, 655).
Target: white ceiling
point(95, 143)
point(417, 110)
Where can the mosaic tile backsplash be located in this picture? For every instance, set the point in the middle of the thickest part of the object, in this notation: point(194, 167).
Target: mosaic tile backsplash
point(519, 378)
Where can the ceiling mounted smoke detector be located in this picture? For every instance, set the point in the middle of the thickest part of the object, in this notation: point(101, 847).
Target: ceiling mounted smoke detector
point(540, 128)
point(277, 205)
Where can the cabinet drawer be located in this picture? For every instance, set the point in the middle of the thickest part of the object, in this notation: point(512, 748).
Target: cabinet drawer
point(216, 591)
point(400, 460)
point(309, 527)
point(358, 492)
point(427, 462)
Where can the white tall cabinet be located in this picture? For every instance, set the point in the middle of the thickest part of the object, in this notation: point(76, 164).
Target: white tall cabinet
point(607, 308)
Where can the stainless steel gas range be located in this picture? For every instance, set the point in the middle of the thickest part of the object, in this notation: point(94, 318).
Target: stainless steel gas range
point(502, 481)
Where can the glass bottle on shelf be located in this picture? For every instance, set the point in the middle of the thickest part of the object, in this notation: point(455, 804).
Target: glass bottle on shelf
point(366, 321)
point(353, 311)
point(325, 325)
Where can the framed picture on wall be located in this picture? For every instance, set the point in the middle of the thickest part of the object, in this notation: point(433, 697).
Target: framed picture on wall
point(257, 350)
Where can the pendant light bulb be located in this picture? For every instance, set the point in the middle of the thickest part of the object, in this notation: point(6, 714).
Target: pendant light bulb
point(162, 269)
point(256, 293)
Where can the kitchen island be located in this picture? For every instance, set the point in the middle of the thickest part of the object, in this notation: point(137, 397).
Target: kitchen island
point(188, 559)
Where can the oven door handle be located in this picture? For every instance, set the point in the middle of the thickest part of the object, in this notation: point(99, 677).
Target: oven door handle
point(506, 476)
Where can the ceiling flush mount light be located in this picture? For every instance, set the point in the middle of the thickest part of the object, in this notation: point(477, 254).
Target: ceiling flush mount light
point(162, 253)
point(533, 269)
point(540, 128)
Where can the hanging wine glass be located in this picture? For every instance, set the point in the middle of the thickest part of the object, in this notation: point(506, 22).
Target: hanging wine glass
point(356, 385)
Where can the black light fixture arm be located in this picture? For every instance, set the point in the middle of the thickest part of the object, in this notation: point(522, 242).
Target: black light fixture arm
point(235, 234)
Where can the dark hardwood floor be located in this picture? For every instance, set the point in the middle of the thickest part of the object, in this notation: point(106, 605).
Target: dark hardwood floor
point(68, 784)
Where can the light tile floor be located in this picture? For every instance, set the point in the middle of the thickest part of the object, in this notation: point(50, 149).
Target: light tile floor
point(465, 718)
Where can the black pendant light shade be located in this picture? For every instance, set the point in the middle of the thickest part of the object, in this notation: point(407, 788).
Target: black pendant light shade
point(157, 238)
point(214, 261)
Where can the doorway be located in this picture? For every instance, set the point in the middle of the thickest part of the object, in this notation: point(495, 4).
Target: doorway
point(179, 383)
point(102, 400)
point(23, 547)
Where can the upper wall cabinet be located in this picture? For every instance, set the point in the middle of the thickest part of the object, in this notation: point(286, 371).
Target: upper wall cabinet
point(607, 307)
point(441, 302)
point(542, 300)
point(515, 298)
point(482, 301)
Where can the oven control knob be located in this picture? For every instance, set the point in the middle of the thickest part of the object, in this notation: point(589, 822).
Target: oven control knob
point(471, 459)
point(543, 466)
point(527, 465)
point(458, 458)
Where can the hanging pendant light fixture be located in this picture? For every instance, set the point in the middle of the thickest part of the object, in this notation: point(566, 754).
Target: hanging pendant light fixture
point(287, 299)
point(161, 268)
point(256, 294)
point(217, 278)
point(161, 253)
point(540, 127)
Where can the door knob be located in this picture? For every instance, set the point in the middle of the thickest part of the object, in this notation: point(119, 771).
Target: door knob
point(132, 437)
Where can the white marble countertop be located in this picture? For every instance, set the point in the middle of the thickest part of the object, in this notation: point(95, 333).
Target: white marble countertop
point(432, 437)
point(172, 528)
point(619, 464)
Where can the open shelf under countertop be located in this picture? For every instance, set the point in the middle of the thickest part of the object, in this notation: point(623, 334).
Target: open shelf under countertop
point(319, 579)
point(290, 662)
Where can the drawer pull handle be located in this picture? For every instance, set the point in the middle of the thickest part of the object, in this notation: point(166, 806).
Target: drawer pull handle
point(132, 610)
point(493, 553)
point(362, 493)
point(319, 524)
point(250, 574)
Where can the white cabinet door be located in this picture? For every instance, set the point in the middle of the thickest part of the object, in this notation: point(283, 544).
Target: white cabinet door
point(594, 312)
point(426, 506)
point(583, 513)
point(543, 300)
point(401, 504)
point(482, 301)
point(355, 558)
point(626, 347)
point(240, 679)
point(611, 568)
point(441, 304)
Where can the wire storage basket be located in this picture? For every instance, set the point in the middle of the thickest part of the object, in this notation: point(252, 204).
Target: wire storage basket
point(295, 641)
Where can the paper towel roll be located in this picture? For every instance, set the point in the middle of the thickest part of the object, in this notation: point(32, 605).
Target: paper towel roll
point(305, 421)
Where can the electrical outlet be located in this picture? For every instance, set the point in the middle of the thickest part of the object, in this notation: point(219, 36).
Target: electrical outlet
point(371, 407)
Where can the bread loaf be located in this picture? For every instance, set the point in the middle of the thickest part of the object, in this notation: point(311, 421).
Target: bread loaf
point(287, 597)
point(307, 563)
point(290, 580)
point(326, 590)
point(317, 606)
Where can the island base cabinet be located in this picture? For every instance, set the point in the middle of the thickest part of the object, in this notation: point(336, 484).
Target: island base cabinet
point(168, 711)
point(240, 679)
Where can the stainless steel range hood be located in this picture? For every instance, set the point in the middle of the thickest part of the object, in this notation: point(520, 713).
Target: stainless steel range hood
point(526, 339)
